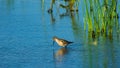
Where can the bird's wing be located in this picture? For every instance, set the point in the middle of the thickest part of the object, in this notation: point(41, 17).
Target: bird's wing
point(64, 41)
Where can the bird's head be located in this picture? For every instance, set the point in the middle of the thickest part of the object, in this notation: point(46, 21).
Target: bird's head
point(54, 38)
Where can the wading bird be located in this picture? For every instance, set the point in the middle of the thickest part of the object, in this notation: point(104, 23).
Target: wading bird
point(61, 42)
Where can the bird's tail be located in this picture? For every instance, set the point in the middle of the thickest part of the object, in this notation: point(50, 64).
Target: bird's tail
point(70, 42)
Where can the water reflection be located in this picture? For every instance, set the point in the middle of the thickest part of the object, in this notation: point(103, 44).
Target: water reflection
point(59, 55)
point(52, 18)
point(10, 3)
point(50, 10)
point(76, 26)
point(64, 15)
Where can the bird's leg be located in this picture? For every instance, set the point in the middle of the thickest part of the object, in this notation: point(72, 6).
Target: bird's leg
point(53, 42)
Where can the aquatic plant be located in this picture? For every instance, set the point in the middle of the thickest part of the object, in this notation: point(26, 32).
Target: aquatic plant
point(100, 17)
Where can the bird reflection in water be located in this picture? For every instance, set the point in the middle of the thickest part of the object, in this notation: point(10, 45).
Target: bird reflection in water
point(60, 54)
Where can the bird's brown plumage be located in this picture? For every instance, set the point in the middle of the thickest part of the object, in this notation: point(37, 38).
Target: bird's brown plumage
point(61, 42)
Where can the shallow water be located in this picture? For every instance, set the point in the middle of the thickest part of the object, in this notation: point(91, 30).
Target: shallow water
point(26, 31)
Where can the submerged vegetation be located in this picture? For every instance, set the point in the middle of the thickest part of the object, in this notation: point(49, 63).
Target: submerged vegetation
point(71, 5)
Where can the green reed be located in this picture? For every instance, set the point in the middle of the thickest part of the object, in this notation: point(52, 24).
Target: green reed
point(100, 18)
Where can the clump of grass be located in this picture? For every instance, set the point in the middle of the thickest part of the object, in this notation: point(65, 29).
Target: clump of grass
point(100, 17)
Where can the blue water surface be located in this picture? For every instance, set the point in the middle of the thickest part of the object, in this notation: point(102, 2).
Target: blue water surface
point(26, 31)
